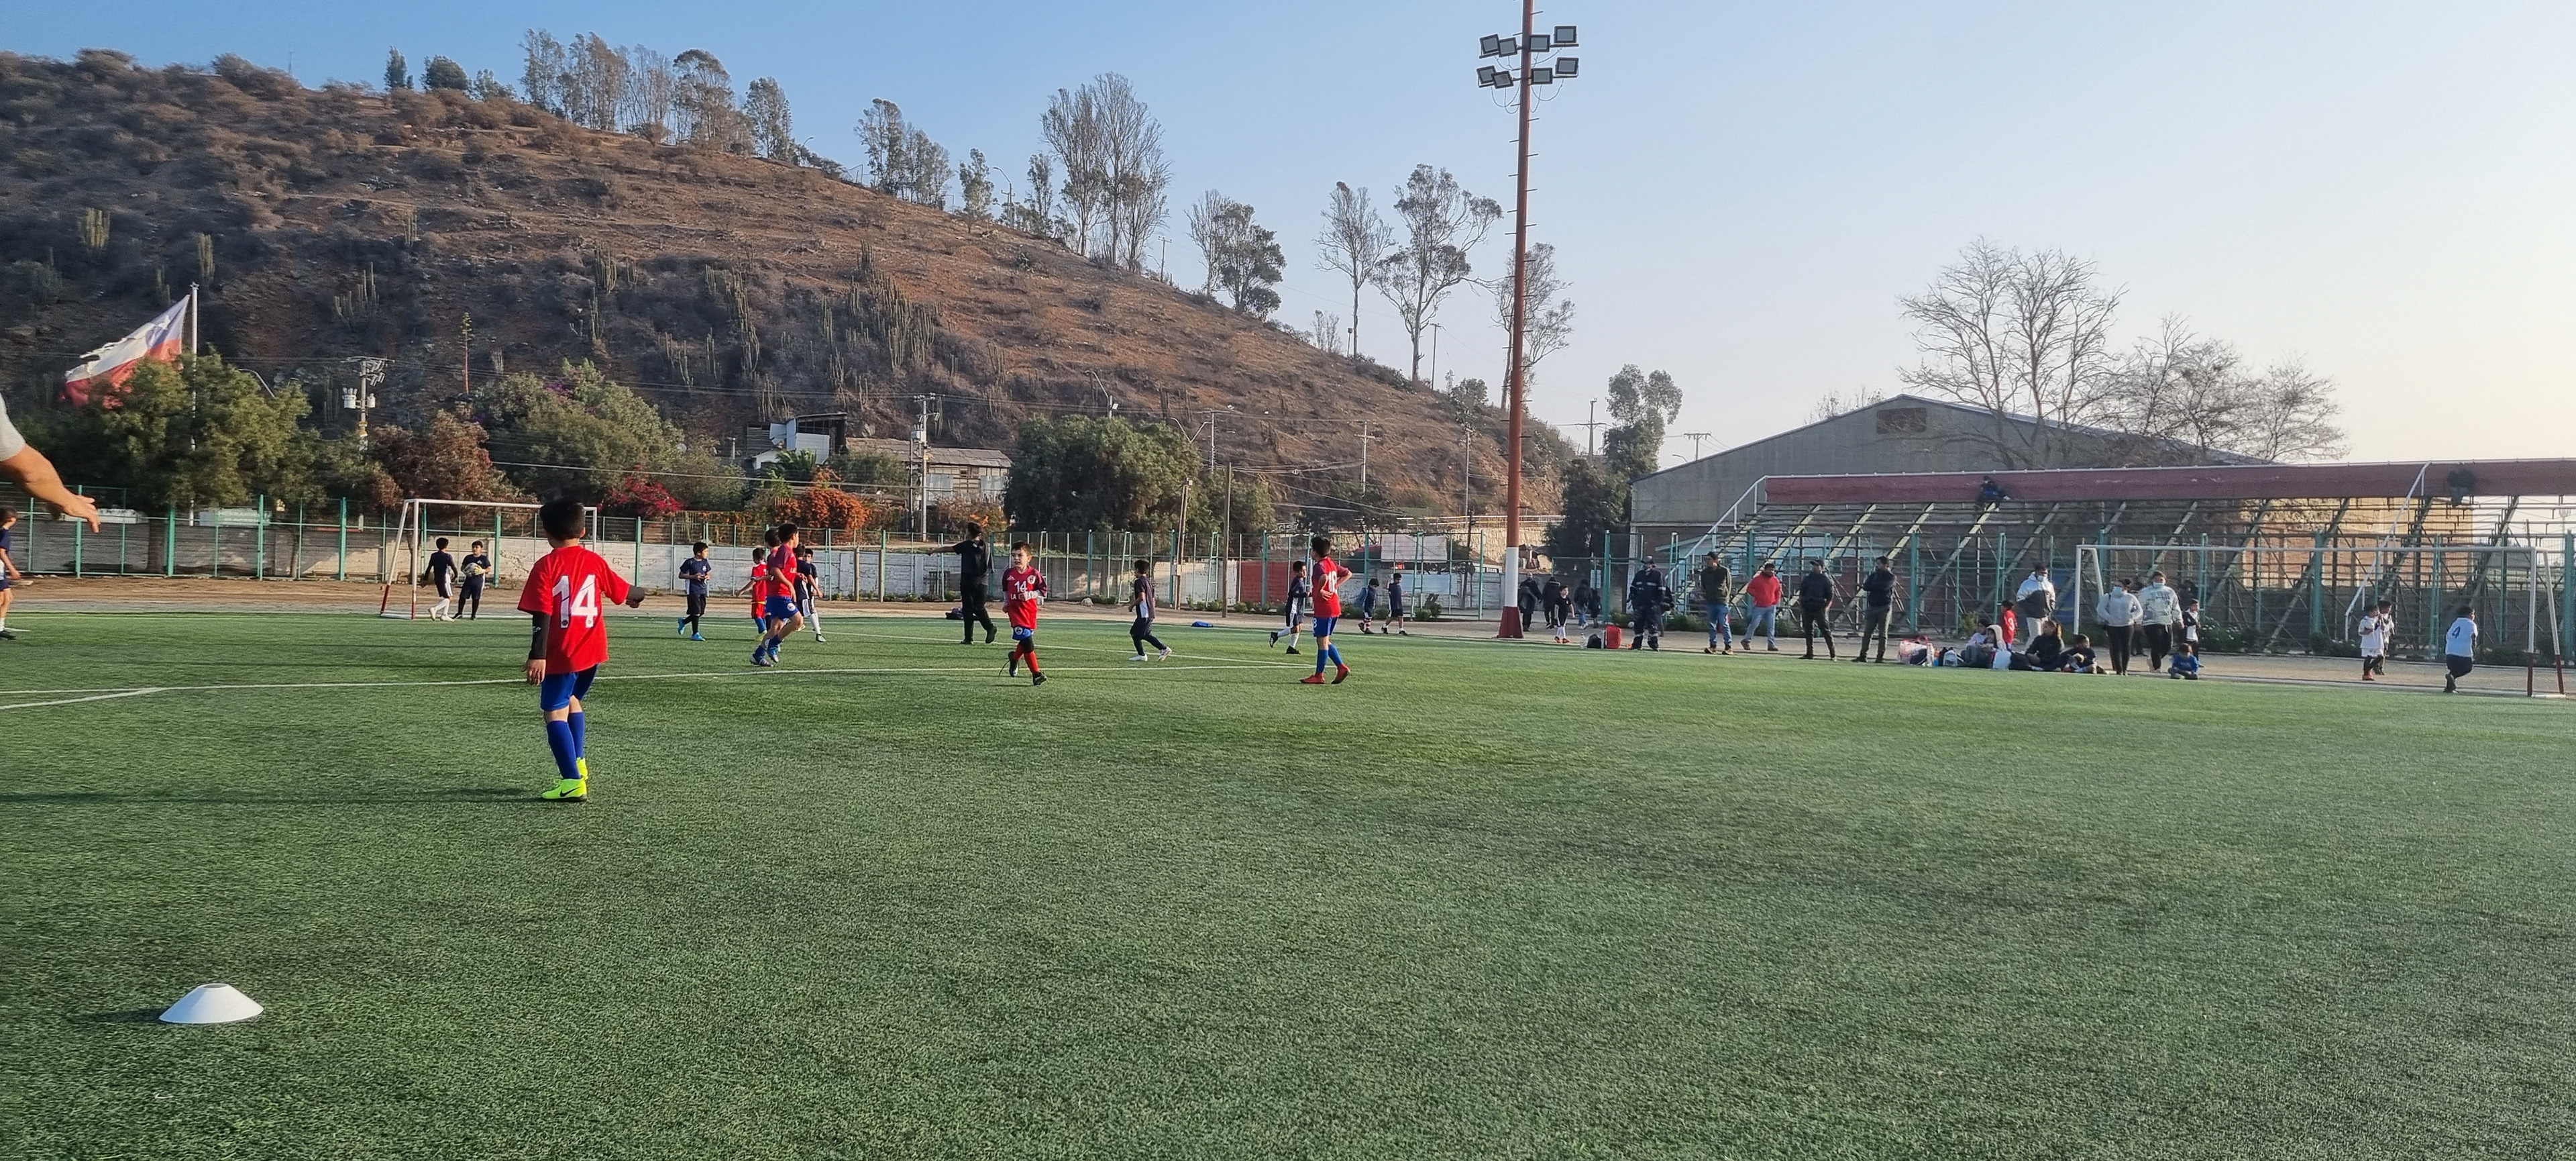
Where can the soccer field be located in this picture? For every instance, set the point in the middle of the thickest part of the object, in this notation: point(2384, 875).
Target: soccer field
point(1483, 901)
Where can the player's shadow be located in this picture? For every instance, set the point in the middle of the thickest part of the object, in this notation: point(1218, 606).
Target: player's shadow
point(128, 1016)
point(465, 795)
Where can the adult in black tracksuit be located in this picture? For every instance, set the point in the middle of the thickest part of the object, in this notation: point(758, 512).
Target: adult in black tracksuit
point(1648, 597)
point(1815, 595)
point(974, 564)
point(1878, 607)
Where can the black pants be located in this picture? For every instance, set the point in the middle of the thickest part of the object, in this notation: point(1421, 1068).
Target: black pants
point(1873, 623)
point(2371, 665)
point(1529, 610)
point(1811, 621)
point(473, 596)
point(1649, 629)
point(697, 609)
point(2159, 643)
point(1142, 633)
point(2122, 641)
point(971, 595)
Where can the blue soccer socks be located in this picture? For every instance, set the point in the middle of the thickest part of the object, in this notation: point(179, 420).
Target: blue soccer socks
point(566, 745)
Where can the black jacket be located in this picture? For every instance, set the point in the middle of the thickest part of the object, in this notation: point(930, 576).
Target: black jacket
point(974, 560)
point(1816, 589)
point(1881, 587)
point(1647, 593)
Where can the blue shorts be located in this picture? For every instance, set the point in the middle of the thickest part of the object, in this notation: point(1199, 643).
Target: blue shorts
point(558, 689)
point(1323, 626)
point(776, 608)
point(1020, 634)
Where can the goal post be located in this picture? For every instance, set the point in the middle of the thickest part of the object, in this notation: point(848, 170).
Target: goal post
point(2315, 594)
point(418, 525)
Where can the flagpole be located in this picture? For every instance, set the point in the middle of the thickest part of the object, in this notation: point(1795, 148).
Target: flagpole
point(192, 320)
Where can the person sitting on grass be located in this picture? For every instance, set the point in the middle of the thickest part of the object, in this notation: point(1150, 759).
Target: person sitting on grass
point(2079, 657)
point(2185, 664)
point(1979, 652)
point(2047, 649)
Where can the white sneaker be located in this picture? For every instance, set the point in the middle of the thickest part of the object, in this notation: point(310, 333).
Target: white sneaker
point(1138, 657)
point(1165, 655)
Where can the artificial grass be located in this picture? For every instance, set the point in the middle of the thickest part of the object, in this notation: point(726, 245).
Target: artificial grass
point(1483, 901)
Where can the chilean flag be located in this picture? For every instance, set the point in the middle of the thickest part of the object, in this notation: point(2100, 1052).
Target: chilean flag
point(108, 367)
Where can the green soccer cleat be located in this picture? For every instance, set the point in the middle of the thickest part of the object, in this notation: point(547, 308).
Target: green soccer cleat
point(568, 790)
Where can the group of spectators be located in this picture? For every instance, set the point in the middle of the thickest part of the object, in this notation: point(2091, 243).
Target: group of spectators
point(2137, 615)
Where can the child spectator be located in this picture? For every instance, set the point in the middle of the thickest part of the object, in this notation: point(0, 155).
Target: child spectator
point(2186, 663)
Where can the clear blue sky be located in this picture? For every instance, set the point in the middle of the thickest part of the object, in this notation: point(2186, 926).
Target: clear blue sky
point(1740, 191)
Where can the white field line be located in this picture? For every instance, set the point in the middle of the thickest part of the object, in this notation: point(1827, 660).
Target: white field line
point(106, 693)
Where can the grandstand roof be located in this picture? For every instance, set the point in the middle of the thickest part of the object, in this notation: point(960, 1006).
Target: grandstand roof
point(2225, 482)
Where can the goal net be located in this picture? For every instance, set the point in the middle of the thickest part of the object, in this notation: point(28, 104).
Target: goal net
point(2311, 598)
point(507, 530)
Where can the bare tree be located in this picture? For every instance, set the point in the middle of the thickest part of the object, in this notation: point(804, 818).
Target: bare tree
point(595, 81)
point(2012, 334)
point(1441, 221)
point(773, 123)
point(1207, 220)
point(1547, 323)
point(1833, 403)
point(1073, 129)
point(1037, 215)
point(902, 159)
point(1354, 244)
point(542, 79)
point(2291, 416)
point(652, 92)
point(1327, 335)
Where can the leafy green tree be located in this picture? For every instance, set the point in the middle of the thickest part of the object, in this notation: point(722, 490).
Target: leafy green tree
point(1252, 510)
point(1595, 503)
point(1242, 258)
point(442, 73)
point(870, 468)
point(446, 459)
point(1642, 404)
point(1081, 472)
point(575, 435)
point(397, 70)
point(202, 434)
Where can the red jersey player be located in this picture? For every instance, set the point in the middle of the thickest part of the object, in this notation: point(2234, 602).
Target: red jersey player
point(563, 598)
point(776, 578)
point(1328, 609)
point(1023, 589)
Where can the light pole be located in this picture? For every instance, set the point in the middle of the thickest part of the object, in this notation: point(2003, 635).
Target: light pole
point(1695, 438)
point(1530, 46)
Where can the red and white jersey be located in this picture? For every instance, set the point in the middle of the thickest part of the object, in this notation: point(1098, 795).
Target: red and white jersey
point(778, 574)
point(1022, 589)
point(1328, 587)
point(569, 587)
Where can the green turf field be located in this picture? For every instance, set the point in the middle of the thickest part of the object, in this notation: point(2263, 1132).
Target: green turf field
point(1483, 902)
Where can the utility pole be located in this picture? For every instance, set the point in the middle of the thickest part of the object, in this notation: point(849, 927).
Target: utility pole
point(1591, 426)
point(1529, 46)
point(921, 436)
point(371, 371)
point(1224, 551)
point(466, 362)
point(1466, 475)
point(1435, 352)
point(1695, 438)
point(1365, 437)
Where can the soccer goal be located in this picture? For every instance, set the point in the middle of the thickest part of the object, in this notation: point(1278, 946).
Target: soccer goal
point(423, 520)
point(2311, 597)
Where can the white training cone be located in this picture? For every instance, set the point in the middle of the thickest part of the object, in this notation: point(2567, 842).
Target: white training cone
point(211, 1004)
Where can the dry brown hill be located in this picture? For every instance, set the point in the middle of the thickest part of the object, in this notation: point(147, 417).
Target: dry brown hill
point(332, 223)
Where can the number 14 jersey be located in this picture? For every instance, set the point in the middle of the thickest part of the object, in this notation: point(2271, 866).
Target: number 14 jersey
point(568, 587)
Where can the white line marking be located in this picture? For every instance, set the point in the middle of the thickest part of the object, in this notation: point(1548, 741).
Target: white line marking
point(92, 697)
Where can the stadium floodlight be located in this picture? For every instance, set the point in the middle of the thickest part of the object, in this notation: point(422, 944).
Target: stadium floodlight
point(1566, 66)
point(1503, 79)
point(1492, 46)
point(1563, 37)
point(1511, 46)
point(1538, 42)
point(1542, 76)
point(1484, 76)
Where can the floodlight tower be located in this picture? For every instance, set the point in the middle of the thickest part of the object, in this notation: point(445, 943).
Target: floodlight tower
point(1538, 66)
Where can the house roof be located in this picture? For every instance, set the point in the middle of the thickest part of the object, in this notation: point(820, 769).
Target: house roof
point(1978, 413)
point(940, 457)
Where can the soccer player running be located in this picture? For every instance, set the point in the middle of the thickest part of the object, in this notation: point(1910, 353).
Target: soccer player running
point(759, 572)
point(1368, 606)
point(1878, 607)
point(442, 573)
point(693, 580)
point(1024, 588)
point(1329, 576)
point(809, 582)
point(570, 639)
point(777, 580)
point(974, 564)
point(1140, 600)
point(1295, 605)
point(472, 571)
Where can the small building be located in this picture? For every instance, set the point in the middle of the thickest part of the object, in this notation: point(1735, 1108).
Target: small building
point(1903, 434)
point(947, 473)
point(814, 435)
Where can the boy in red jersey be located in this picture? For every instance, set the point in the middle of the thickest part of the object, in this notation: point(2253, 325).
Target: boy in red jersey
point(1023, 590)
point(570, 641)
point(1329, 575)
point(777, 580)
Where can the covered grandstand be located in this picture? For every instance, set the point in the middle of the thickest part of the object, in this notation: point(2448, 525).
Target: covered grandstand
point(2281, 555)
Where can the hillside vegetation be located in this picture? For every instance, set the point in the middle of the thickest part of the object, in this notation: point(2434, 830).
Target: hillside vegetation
point(332, 223)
